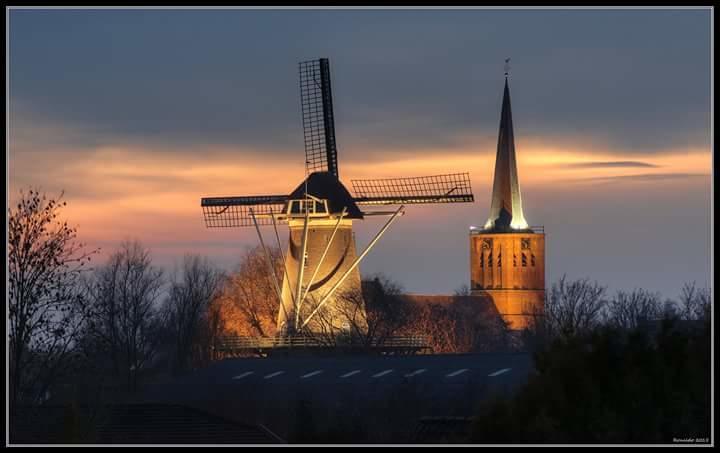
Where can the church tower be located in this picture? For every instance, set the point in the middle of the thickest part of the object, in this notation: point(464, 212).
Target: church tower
point(507, 257)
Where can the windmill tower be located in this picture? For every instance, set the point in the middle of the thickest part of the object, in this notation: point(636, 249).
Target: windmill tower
point(507, 257)
point(320, 291)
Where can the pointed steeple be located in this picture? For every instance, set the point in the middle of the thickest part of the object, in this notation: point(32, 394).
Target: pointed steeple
point(506, 207)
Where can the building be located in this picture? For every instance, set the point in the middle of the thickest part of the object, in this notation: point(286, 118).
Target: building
point(507, 256)
point(136, 423)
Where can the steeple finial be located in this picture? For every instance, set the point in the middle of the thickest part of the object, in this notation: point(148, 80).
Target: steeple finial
point(507, 67)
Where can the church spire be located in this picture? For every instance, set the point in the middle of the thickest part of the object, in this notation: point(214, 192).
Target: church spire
point(506, 207)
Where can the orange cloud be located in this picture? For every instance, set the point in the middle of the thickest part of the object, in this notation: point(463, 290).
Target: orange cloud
point(154, 194)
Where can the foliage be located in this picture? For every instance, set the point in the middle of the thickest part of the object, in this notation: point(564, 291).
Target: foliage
point(611, 385)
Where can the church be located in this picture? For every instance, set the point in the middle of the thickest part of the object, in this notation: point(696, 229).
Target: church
point(507, 256)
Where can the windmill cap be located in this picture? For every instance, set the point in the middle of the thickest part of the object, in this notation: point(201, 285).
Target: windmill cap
point(326, 186)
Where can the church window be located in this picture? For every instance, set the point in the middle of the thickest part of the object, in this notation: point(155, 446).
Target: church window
point(524, 260)
point(500, 259)
point(532, 260)
point(490, 260)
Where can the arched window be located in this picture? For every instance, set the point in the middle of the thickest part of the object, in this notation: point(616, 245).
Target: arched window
point(490, 259)
point(524, 260)
point(500, 259)
point(532, 260)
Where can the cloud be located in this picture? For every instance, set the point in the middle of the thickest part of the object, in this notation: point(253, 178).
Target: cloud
point(615, 164)
point(649, 177)
point(401, 79)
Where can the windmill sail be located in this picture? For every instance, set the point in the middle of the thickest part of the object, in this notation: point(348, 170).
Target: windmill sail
point(321, 266)
point(450, 188)
point(317, 115)
point(235, 211)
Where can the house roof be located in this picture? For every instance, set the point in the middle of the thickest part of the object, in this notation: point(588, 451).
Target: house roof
point(130, 424)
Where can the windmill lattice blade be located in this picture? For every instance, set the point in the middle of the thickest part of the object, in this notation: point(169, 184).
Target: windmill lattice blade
point(451, 188)
point(222, 212)
point(317, 115)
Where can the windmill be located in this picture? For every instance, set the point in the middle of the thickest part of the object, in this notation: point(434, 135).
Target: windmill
point(321, 263)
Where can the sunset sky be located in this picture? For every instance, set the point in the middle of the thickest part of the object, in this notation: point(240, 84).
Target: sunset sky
point(137, 114)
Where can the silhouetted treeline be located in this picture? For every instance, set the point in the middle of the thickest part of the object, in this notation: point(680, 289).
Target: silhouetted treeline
point(610, 385)
point(579, 307)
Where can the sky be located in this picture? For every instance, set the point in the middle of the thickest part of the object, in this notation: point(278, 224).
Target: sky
point(137, 114)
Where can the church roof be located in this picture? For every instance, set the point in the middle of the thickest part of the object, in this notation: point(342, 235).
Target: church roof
point(506, 207)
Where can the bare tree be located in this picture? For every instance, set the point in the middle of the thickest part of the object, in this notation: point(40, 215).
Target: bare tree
point(573, 307)
point(386, 312)
point(462, 290)
point(694, 302)
point(535, 334)
point(188, 306)
point(372, 314)
point(324, 328)
point(125, 318)
point(434, 321)
point(46, 307)
point(249, 303)
point(476, 329)
point(627, 310)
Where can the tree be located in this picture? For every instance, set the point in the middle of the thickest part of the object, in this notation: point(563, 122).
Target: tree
point(46, 305)
point(462, 290)
point(187, 308)
point(249, 303)
point(626, 310)
point(325, 328)
point(125, 322)
point(374, 312)
point(460, 324)
point(385, 311)
point(438, 323)
point(476, 329)
point(611, 385)
point(694, 302)
point(573, 307)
